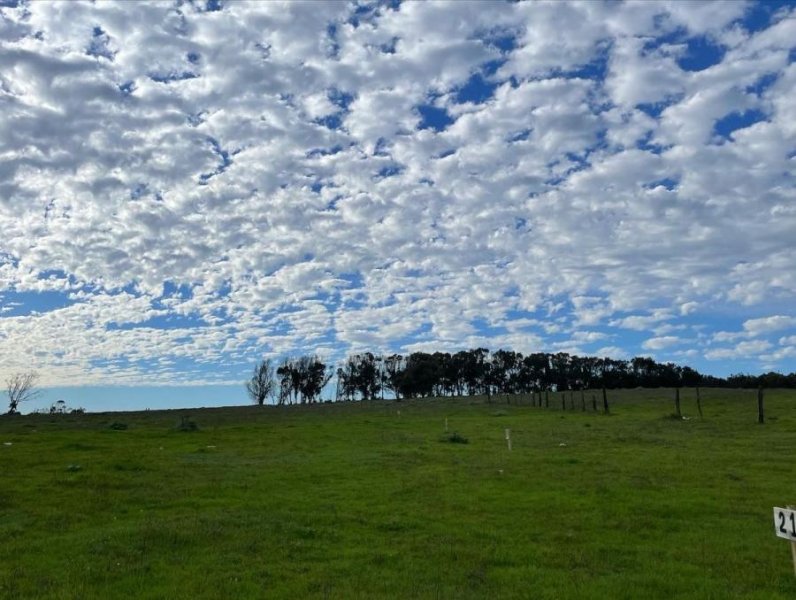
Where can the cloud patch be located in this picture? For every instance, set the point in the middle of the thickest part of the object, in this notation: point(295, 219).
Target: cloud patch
point(339, 176)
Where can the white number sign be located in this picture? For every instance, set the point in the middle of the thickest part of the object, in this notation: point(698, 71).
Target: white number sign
point(785, 523)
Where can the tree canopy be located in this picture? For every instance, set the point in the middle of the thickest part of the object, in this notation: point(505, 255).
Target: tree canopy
point(366, 376)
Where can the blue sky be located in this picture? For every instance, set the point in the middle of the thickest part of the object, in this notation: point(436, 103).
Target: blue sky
point(187, 188)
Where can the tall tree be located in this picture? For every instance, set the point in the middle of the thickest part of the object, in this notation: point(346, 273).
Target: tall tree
point(361, 373)
point(394, 367)
point(302, 379)
point(21, 387)
point(262, 384)
point(476, 371)
point(420, 376)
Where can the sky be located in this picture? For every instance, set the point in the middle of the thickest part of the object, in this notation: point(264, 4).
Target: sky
point(189, 187)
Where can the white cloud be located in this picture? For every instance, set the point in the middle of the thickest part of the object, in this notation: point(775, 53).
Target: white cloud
point(749, 350)
point(202, 149)
point(588, 336)
point(659, 343)
point(642, 322)
point(688, 308)
point(779, 355)
point(614, 352)
point(768, 324)
point(757, 327)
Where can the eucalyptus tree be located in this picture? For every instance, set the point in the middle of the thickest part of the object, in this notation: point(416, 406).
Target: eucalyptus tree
point(302, 379)
point(21, 387)
point(262, 384)
point(362, 374)
point(394, 366)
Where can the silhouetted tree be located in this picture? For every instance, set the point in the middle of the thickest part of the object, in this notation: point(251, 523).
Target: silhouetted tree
point(420, 375)
point(262, 384)
point(477, 371)
point(394, 366)
point(361, 373)
point(21, 387)
point(689, 377)
point(302, 379)
point(505, 371)
point(313, 377)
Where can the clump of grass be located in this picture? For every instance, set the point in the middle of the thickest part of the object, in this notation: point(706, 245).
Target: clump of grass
point(118, 426)
point(186, 425)
point(455, 438)
point(74, 468)
point(500, 413)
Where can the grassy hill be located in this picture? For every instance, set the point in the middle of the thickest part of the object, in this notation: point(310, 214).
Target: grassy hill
point(371, 500)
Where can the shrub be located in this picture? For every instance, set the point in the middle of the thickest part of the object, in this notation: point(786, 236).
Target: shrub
point(455, 438)
point(118, 426)
point(186, 424)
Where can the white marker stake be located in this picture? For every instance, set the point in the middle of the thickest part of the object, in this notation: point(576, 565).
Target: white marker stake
point(508, 438)
point(785, 527)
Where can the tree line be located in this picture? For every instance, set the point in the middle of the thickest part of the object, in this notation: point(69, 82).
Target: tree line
point(478, 371)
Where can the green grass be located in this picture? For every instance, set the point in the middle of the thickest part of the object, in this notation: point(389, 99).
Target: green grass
point(356, 501)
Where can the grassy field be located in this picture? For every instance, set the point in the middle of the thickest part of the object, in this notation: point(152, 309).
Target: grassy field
point(363, 501)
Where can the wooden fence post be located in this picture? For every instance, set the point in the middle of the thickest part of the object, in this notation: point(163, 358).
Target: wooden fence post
point(677, 403)
point(582, 400)
point(699, 403)
point(546, 399)
point(605, 401)
point(760, 416)
point(792, 543)
point(594, 402)
point(563, 401)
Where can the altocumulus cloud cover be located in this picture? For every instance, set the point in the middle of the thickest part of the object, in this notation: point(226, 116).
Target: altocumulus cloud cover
point(186, 187)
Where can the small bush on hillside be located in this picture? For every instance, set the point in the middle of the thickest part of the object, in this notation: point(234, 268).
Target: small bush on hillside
point(455, 438)
point(186, 424)
point(118, 426)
